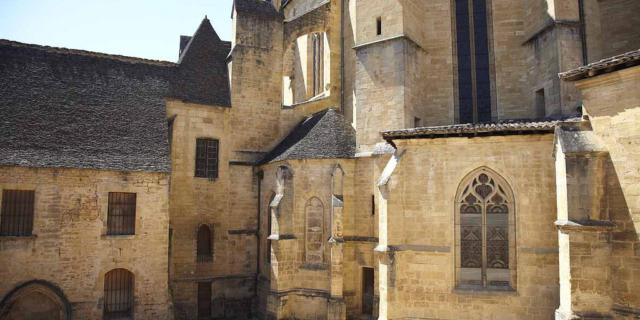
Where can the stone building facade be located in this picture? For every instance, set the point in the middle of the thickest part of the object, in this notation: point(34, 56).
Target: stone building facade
point(337, 159)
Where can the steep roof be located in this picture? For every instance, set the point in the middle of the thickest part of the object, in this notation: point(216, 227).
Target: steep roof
point(324, 135)
point(618, 62)
point(78, 109)
point(202, 69)
point(256, 7)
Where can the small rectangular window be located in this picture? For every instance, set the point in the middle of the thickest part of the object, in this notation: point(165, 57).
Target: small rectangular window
point(379, 26)
point(17, 213)
point(417, 122)
point(207, 158)
point(541, 108)
point(373, 205)
point(121, 219)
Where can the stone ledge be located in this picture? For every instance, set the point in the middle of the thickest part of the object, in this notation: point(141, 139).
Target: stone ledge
point(32, 237)
point(486, 292)
point(243, 231)
point(401, 36)
point(117, 236)
point(587, 225)
point(277, 237)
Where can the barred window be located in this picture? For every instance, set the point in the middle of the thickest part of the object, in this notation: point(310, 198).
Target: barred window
point(17, 213)
point(207, 158)
point(205, 245)
point(121, 218)
point(118, 294)
point(486, 226)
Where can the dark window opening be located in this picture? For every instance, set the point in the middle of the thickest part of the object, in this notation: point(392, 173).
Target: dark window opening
point(204, 300)
point(541, 108)
point(373, 205)
point(17, 213)
point(205, 245)
point(367, 290)
point(118, 294)
point(121, 217)
point(417, 122)
point(379, 26)
point(207, 158)
point(474, 80)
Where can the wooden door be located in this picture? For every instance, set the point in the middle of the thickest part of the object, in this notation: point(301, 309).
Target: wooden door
point(204, 300)
point(367, 291)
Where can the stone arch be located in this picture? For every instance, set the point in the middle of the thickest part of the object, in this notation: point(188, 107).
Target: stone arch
point(306, 66)
point(485, 231)
point(204, 243)
point(35, 299)
point(314, 231)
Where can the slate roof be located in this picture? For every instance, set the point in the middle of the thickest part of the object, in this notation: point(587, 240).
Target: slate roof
point(76, 109)
point(324, 135)
point(506, 127)
point(69, 108)
point(256, 7)
point(202, 75)
point(618, 62)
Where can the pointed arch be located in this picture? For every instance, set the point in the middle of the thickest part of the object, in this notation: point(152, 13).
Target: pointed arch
point(314, 231)
point(485, 229)
point(36, 299)
point(204, 248)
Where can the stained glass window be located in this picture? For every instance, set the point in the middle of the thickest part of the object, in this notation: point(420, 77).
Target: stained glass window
point(484, 206)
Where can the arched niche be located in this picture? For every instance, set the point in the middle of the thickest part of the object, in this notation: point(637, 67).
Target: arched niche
point(35, 300)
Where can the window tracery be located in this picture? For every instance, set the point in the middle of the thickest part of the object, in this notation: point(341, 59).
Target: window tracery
point(484, 206)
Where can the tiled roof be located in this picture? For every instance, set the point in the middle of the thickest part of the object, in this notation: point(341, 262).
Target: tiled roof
point(622, 61)
point(77, 109)
point(324, 135)
point(507, 127)
point(256, 7)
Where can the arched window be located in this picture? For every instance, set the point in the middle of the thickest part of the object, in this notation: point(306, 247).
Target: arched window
point(118, 294)
point(205, 245)
point(304, 74)
point(314, 231)
point(474, 76)
point(485, 224)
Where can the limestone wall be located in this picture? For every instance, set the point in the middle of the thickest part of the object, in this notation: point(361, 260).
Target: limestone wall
point(419, 274)
point(227, 205)
point(70, 248)
point(612, 103)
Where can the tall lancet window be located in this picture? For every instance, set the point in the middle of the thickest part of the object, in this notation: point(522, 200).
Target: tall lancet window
point(474, 80)
point(485, 223)
point(318, 63)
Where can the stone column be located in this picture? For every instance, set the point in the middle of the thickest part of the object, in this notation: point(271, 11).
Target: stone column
point(337, 307)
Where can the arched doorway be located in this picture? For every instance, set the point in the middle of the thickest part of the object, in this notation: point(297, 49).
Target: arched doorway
point(35, 300)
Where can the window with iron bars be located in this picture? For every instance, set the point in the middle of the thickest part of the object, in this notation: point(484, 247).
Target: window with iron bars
point(17, 212)
point(207, 158)
point(121, 219)
point(118, 294)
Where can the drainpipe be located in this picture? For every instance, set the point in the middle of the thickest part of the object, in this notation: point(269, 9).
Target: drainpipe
point(342, 58)
point(583, 32)
point(260, 174)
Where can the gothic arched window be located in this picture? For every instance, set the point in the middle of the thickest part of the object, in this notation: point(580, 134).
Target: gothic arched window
point(485, 224)
point(205, 245)
point(314, 231)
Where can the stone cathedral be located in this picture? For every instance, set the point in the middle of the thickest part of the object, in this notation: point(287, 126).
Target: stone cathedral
point(337, 159)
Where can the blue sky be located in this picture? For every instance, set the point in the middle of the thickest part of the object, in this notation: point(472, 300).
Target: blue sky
point(140, 28)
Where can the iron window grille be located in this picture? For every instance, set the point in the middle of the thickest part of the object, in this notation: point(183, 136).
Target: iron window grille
point(17, 213)
point(121, 218)
point(207, 158)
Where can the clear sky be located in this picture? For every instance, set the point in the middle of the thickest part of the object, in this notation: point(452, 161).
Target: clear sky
point(140, 28)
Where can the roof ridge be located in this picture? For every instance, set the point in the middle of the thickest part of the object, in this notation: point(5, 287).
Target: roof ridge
point(62, 50)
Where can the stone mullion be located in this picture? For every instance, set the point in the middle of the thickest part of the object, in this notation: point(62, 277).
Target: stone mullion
point(472, 48)
point(484, 243)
